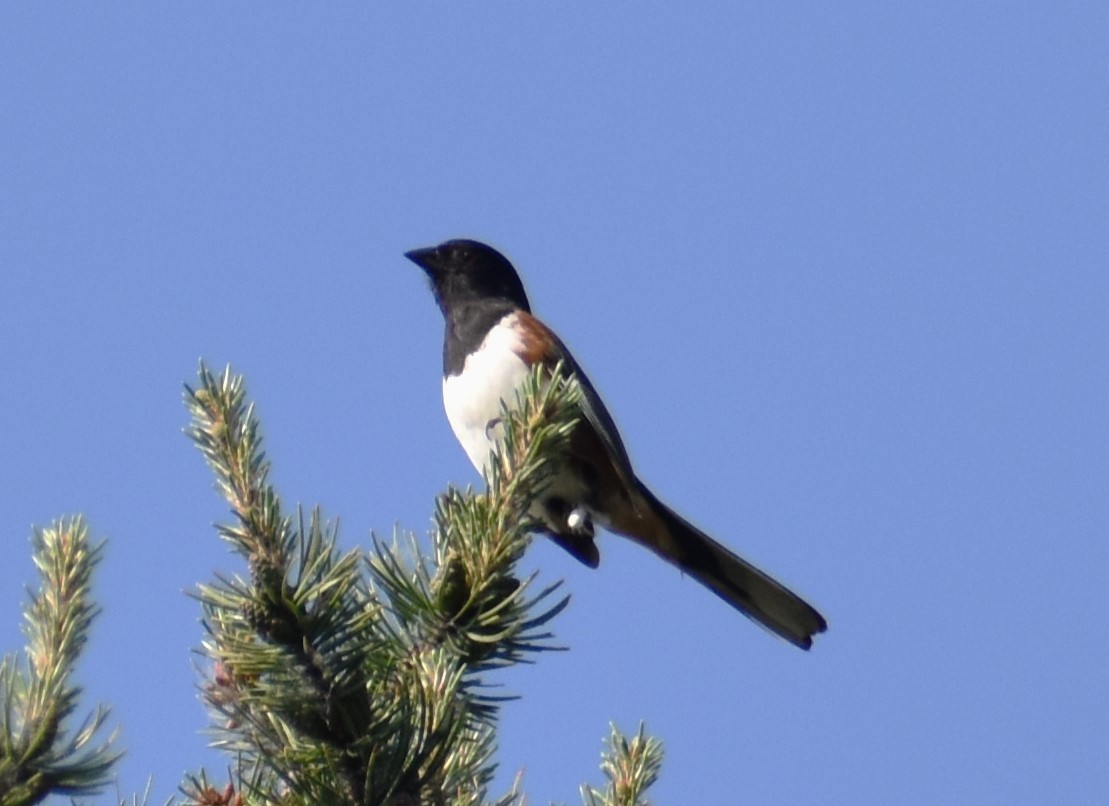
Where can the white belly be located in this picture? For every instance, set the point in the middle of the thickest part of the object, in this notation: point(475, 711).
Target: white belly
point(473, 397)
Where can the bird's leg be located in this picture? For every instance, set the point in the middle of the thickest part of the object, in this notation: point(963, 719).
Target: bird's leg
point(579, 521)
point(565, 518)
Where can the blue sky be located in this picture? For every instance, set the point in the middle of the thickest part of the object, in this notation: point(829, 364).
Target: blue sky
point(841, 274)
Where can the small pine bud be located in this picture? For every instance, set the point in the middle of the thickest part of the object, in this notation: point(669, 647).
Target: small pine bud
point(454, 589)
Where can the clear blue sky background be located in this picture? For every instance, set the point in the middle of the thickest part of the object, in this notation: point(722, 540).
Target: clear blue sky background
point(840, 271)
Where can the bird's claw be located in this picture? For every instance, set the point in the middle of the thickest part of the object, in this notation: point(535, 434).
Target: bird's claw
point(578, 520)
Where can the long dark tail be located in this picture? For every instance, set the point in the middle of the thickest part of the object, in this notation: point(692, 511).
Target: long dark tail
point(729, 576)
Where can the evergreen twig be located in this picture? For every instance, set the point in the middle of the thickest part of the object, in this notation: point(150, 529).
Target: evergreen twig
point(38, 754)
point(334, 685)
point(631, 767)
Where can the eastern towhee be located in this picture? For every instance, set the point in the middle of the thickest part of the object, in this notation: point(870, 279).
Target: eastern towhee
point(492, 341)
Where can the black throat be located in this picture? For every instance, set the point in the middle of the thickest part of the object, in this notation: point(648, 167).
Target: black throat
point(468, 323)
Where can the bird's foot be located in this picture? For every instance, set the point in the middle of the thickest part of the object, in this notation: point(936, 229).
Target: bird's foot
point(566, 519)
point(579, 522)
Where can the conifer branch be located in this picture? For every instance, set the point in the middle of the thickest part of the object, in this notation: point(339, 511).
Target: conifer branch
point(38, 755)
point(337, 686)
point(631, 768)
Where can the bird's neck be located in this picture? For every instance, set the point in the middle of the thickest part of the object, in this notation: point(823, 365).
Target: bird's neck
point(467, 325)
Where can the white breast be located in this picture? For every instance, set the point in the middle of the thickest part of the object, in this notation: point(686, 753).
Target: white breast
point(473, 398)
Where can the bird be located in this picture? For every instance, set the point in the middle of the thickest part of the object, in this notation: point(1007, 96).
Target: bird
point(491, 343)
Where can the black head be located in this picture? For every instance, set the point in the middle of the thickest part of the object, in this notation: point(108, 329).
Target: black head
point(469, 271)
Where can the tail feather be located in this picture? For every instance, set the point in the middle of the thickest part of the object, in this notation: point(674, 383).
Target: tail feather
point(730, 577)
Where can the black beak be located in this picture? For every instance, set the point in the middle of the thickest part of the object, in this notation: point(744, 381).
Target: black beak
point(427, 259)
